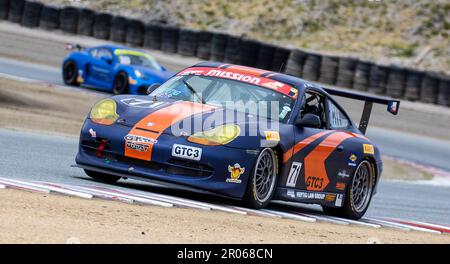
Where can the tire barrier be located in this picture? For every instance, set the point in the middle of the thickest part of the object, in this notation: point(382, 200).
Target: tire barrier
point(329, 69)
point(346, 72)
point(86, 22)
point(118, 29)
point(412, 86)
point(16, 10)
point(218, 46)
point(444, 91)
point(31, 14)
point(362, 75)
point(378, 78)
point(429, 88)
point(49, 18)
point(395, 86)
point(4, 9)
point(152, 37)
point(265, 56)
point(232, 50)
point(187, 42)
point(169, 39)
point(280, 59)
point(248, 52)
point(102, 26)
point(204, 45)
point(68, 19)
point(311, 68)
point(135, 33)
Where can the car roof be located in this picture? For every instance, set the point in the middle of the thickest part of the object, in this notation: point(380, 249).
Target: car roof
point(276, 76)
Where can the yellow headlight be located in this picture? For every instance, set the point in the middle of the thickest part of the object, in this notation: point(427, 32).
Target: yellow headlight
point(220, 135)
point(104, 112)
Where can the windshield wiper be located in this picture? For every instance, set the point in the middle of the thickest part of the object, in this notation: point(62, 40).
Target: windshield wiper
point(193, 91)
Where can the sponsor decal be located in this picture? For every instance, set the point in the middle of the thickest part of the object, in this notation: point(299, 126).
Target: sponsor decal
point(139, 139)
point(92, 132)
point(293, 174)
point(352, 160)
point(187, 152)
point(368, 149)
point(343, 174)
point(393, 107)
point(273, 85)
point(290, 193)
point(310, 195)
point(293, 92)
point(340, 186)
point(135, 102)
point(339, 199)
point(315, 183)
point(137, 146)
point(330, 197)
point(234, 76)
point(272, 135)
point(235, 172)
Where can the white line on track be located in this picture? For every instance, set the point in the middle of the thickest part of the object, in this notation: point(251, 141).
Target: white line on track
point(134, 198)
point(385, 223)
point(53, 188)
point(324, 218)
point(355, 222)
point(291, 216)
point(431, 225)
point(255, 212)
point(415, 228)
point(2, 186)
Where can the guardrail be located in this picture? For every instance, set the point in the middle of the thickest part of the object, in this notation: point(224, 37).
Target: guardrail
point(347, 72)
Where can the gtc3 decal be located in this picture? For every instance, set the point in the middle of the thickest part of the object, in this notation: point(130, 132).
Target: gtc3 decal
point(187, 152)
point(235, 172)
point(293, 174)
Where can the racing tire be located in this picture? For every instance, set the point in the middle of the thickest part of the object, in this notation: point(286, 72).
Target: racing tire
point(102, 176)
point(262, 180)
point(358, 195)
point(70, 73)
point(121, 85)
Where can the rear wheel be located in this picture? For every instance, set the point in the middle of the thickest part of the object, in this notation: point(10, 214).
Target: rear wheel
point(102, 176)
point(70, 73)
point(358, 195)
point(120, 85)
point(262, 181)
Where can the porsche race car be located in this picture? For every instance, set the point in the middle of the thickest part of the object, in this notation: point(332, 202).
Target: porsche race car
point(247, 134)
point(112, 68)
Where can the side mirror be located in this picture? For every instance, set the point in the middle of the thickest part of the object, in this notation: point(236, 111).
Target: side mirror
point(309, 120)
point(152, 87)
point(106, 59)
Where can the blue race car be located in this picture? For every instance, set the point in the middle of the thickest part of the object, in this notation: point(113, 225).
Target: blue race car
point(240, 132)
point(116, 69)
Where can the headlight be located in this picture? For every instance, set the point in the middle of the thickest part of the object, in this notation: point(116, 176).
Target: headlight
point(220, 135)
point(104, 112)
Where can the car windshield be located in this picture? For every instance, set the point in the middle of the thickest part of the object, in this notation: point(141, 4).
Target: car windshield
point(137, 58)
point(230, 94)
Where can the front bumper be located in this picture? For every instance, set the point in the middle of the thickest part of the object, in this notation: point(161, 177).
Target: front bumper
point(209, 174)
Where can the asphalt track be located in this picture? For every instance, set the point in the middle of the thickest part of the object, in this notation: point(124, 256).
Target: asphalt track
point(36, 157)
point(408, 146)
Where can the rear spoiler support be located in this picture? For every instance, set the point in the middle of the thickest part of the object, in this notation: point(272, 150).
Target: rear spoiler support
point(392, 105)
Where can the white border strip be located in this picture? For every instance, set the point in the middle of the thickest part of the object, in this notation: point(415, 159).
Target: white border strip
point(415, 228)
point(54, 189)
point(354, 222)
point(385, 223)
point(291, 216)
point(431, 225)
point(23, 186)
point(324, 218)
point(255, 212)
point(2, 186)
point(100, 195)
point(134, 198)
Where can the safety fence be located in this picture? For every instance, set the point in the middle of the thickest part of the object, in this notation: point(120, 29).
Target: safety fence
point(352, 73)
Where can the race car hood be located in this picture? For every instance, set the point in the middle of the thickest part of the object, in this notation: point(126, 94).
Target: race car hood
point(181, 118)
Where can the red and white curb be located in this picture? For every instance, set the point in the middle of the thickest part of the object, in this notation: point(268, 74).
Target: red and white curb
point(163, 200)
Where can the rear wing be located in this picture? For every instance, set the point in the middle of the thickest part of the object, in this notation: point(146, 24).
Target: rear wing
point(74, 46)
point(392, 104)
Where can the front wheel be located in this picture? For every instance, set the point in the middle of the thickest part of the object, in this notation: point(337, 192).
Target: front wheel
point(263, 178)
point(358, 195)
point(70, 73)
point(120, 85)
point(102, 176)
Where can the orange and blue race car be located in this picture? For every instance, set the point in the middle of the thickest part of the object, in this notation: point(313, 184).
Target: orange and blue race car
point(239, 132)
point(112, 68)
